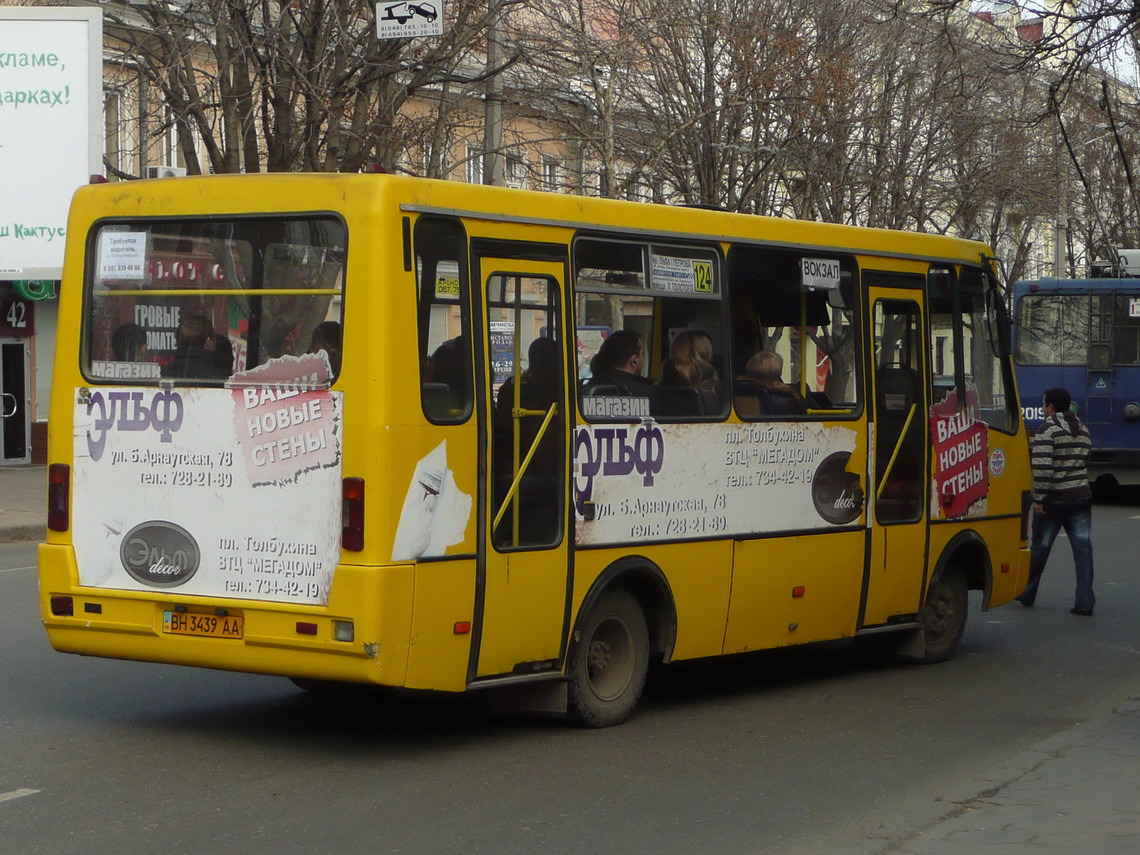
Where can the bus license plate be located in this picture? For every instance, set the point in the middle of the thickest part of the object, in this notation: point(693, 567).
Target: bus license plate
point(208, 626)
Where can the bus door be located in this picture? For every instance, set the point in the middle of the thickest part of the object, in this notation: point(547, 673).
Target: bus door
point(897, 562)
point(522, 587)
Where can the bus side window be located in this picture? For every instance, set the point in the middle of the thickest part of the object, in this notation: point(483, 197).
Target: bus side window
point(444, 341)
point(794, 351)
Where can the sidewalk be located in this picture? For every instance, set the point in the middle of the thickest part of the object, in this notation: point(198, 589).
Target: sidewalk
point(1076, 793)
point(23, 503)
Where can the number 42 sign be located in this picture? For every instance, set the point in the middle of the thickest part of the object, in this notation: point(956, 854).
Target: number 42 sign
point(17, 316)
point(404, 19)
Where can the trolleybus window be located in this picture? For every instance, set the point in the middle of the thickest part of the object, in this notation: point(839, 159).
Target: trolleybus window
point(1126, 349)
point(1053, 329)
point(200, 300)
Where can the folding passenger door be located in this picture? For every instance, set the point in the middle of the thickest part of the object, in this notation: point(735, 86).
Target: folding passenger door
point(523, 576)
point(898, 453)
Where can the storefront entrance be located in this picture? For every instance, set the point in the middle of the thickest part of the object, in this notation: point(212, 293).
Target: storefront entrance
point(15, 401)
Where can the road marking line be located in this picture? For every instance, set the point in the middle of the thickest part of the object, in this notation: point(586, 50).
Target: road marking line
point(17, 794)
point(14, 569)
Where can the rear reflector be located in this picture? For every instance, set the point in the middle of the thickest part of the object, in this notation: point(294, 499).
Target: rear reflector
point(352, 514)
point(62, 606)
point(59, 496)
point(306, 628)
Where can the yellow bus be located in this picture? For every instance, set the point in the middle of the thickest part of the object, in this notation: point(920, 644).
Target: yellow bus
point(376, 429)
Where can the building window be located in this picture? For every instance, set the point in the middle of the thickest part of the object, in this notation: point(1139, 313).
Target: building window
point(551, 175)
point(170, 150)
point(516, 170)
point(474, 164)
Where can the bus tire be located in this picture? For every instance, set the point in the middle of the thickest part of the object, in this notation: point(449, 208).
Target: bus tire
point(944, 615)
point(608, 661)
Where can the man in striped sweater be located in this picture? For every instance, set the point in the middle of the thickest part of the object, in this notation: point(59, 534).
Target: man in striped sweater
point(1061, 497)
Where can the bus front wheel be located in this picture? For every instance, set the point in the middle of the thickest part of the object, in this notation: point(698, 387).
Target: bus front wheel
point(944, 615)
point(609, 661)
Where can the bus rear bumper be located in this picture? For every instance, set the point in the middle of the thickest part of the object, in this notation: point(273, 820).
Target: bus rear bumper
point(285, 639)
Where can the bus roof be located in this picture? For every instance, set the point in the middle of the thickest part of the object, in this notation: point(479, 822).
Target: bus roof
point(362, 193)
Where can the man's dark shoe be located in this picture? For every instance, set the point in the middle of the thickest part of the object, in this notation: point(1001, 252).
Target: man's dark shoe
point(1076, 611)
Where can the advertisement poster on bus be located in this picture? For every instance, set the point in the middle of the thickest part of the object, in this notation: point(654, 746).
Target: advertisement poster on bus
point(655, 482)
point(961, 455)
point(209, 492)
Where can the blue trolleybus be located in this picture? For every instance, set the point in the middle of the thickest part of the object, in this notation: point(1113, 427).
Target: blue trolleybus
point(1084, 334)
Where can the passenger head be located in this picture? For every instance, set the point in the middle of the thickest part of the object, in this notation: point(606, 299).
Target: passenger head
point(221, 355)
point(326, 336)
point(544, 359)
point(194, 331)
point(622, 350)
point(1059, 399)
point(765, 366)
point(448, 364)
point(692, 355)
point(128, 343)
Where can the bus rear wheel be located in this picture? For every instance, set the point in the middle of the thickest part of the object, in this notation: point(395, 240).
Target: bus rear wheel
point(944, 615)
point(608, 662)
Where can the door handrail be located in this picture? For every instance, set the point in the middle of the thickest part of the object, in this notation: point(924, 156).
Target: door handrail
point(895, 454)
point(523, 466)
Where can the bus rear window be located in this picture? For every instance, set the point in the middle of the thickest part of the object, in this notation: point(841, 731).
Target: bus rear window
point(198, 301)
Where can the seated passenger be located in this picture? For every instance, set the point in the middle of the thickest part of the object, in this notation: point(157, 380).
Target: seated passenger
point(327, 337)
point(617, 365)
point(221, 356)
point(128, 343)
point(690, 364)
point(760, 391)
point(196, 354)
point(447, 366)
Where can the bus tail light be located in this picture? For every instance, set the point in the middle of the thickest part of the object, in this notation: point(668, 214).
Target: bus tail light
point(352, 514)
point(62, 606)
point(59, 496)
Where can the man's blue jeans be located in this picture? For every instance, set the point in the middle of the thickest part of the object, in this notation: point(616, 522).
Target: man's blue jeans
point(1075, 516)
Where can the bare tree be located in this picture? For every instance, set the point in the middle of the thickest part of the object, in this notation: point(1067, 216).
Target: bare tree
point(299, 84)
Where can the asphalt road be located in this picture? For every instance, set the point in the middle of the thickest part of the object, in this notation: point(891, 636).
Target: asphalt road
point(793, 752)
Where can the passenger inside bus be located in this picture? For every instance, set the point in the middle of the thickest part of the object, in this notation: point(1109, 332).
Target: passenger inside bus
point(689, 367)
point(200, 354)
point(538, 503)
point(616, 367)
point(222, 355)
point(327, 337)
point(445, 376)
point(761, 390)
point(128, 343)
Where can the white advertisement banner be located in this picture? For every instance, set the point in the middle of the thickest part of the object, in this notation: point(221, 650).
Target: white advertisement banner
point(209, 492)
point(654, 482)
point(50, 129)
